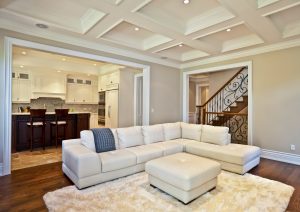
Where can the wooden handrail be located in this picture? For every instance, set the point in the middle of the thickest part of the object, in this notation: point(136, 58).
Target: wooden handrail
point(216, 93)
point(228, 113)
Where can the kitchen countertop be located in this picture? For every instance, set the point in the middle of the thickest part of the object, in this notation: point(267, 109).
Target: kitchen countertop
point(48, 113)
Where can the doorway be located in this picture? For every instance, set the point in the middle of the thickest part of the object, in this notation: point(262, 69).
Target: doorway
point(7, 113)
point(226, 103)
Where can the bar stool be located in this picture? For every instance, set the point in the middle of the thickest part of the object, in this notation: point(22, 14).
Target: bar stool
point(37, 120)
point(61, 119)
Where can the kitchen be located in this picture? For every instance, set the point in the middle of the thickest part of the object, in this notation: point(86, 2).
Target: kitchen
point(94, 93)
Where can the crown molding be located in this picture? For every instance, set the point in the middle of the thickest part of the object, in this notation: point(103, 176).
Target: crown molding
point(280, 156)
point(72, 40)
point(240, 54)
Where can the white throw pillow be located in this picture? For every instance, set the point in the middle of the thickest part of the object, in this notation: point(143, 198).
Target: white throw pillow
point(191, 131)
point(153, 134)
point(172, 131)
point(87, 139)
point(114, 132)
point(130, 136)
point(215, 135)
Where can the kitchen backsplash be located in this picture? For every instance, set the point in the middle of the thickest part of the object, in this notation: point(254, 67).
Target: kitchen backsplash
point(55, 103)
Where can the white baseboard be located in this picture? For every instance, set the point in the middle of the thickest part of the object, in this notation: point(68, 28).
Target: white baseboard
point(281, 156)
point(1, 169)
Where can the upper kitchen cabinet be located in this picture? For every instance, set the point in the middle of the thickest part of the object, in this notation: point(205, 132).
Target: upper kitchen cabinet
point(21, 87)
point(107, 79)
point(81, 90)
point(49, 85)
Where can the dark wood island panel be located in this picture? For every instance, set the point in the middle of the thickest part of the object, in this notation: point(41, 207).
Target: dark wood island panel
point(21, 135)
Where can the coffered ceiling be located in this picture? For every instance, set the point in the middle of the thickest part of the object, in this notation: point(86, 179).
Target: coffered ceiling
point(169, 32)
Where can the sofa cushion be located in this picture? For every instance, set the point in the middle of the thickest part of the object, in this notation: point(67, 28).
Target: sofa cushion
point(117, 159)
point(87, 139)
point(215, 135)
point(169, 147)
point(153, 134)
point(130, 136)
point(145, 153)
point(172, 131)
point(231, 153)
point(191, 131)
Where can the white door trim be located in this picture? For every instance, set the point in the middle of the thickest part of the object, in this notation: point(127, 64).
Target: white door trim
point(9, 42)
point(185, 92)
point(136, 76)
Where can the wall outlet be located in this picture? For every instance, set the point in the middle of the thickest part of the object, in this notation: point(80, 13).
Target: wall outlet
point(152, 110)
point(293, 147)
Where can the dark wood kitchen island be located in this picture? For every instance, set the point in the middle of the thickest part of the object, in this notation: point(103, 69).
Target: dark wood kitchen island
point(77, 121)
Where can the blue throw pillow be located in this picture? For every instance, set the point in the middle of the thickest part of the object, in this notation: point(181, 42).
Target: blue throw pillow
point(104, 140)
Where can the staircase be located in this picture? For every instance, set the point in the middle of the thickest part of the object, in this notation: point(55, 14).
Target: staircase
point(225, 107)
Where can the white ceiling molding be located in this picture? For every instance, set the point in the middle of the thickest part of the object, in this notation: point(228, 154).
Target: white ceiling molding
point(200, 26)
point(250, 52)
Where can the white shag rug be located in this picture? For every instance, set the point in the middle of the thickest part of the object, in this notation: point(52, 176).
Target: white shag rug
point(133, 193)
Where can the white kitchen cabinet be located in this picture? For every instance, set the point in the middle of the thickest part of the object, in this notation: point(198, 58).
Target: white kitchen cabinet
point(102, 81)
point(94, 120)
point(49, 85)
point(82, 91)
point(112, 108)
point(107, 79)
point(21, 87)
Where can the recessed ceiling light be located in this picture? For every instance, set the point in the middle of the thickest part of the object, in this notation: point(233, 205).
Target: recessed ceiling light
point(42, 26)
point(228, 30)
point(63, 59)
point(58, 71)
point(136, 28)
point(89, 75)
point(21, 66)
point(180, 45)
point(186, 1)
point(24, 53)
point(95, 64)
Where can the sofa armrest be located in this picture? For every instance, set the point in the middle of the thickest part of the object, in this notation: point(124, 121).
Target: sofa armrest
point(81, 161)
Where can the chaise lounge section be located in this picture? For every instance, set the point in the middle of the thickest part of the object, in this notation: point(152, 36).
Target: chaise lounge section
point(138, 145)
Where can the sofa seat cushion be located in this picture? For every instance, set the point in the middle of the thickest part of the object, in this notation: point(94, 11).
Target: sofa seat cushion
point(169, 147)
point(231, 153)
point(117, 159)
point(145, 153)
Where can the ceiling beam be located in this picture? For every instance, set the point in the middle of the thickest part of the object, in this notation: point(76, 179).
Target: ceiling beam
point(261, 25)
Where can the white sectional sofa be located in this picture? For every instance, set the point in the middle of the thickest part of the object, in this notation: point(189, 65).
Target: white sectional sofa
point(138, 145)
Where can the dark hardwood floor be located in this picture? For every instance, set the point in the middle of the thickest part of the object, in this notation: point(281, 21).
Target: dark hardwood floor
point(23, 190)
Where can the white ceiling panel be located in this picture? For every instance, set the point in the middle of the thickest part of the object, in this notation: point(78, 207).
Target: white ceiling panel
point(287, 21)
point(134, 36)
point(162, 25)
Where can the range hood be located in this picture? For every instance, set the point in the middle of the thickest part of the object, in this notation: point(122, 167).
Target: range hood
point(36, 95)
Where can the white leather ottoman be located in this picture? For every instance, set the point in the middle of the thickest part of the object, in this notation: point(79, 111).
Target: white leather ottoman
point(183, 175)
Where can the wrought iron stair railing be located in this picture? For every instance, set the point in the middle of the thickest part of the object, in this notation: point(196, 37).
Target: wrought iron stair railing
point(216, 110)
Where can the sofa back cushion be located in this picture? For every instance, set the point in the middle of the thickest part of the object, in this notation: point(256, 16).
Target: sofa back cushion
point(87, 139)
point(191, 131)
point(215, 135)
point(130, 136)
point(172, 131)
point(153, 134)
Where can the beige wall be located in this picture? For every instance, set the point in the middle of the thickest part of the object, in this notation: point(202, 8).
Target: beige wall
point(164, 85)
point(192, 97)
point(218, 79)
point(276, 98)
